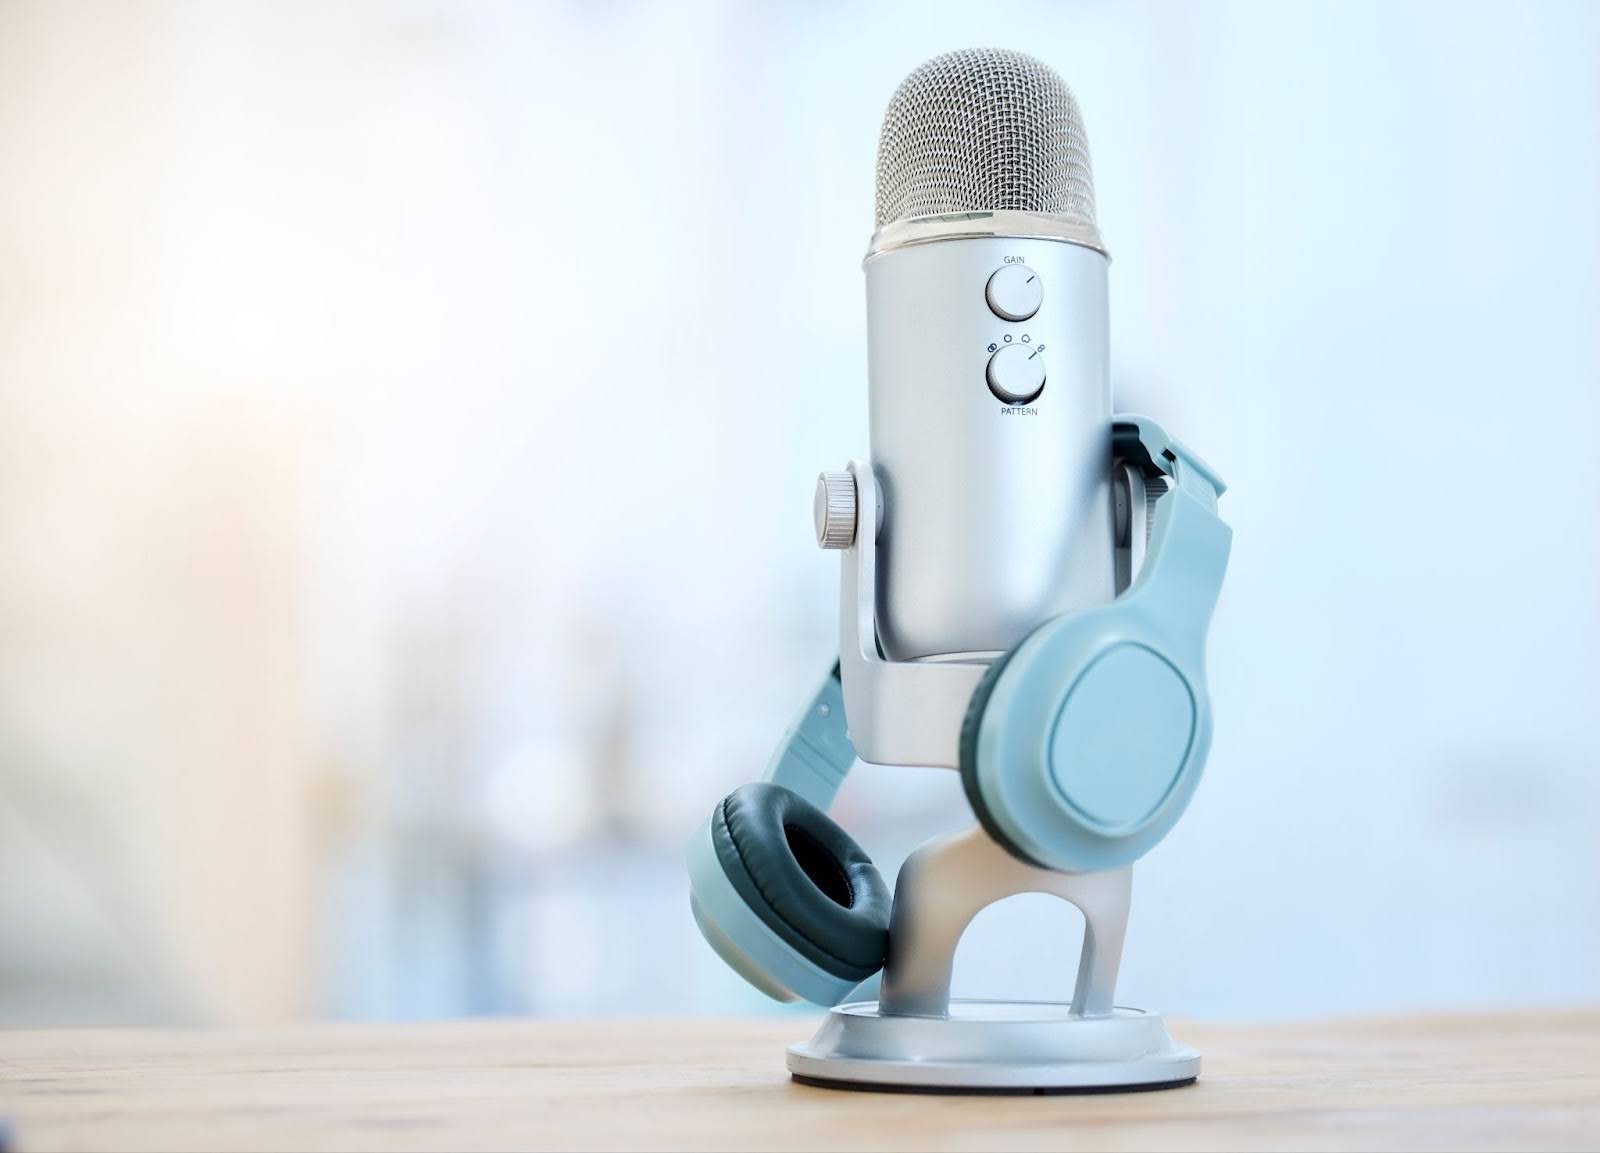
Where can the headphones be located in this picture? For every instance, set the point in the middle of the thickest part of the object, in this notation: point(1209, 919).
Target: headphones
point(1080, 749)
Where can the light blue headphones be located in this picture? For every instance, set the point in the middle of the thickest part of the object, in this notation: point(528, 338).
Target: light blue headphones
point(1080, 750)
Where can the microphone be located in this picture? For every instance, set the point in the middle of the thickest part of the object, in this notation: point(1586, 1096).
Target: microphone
point(977, 625)
point(988, 374)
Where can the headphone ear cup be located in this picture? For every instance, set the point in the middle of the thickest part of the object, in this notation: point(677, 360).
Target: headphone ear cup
point(805, 879)
point(971, 724)
point(1081, 747)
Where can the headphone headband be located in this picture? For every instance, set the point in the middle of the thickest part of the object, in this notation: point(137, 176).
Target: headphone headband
point(815, 754)
point(1142, 442)
point(1188, 551)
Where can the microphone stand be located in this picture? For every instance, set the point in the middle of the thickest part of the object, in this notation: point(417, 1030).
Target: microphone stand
point(915, 1035)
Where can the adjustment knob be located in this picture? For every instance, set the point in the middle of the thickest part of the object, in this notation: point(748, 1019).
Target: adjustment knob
point(1016, 373)
point(1014, 292)
point(834, 510)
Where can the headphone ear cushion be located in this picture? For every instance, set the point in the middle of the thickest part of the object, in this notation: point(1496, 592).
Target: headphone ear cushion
point(970, 726)
point(805, 877)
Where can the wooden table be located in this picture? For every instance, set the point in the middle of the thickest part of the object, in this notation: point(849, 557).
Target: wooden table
point(1493, 1082)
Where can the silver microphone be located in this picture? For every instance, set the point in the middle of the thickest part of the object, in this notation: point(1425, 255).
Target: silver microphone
point(989, 384)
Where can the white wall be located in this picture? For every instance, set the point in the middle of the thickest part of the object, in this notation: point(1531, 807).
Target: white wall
point(553, 313)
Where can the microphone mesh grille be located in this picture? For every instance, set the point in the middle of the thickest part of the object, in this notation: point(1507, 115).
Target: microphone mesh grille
point(983, 129)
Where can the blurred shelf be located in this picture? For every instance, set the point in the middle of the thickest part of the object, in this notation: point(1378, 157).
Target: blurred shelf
point(1460, 1082)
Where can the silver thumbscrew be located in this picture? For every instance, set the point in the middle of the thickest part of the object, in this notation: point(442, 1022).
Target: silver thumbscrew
point(834, 510)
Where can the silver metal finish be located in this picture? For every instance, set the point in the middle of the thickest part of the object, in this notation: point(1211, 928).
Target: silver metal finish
point(1014, 292)
point(834, 510)
point(996, 517)
point(994, 1045)
point(979, 130)
point(1133, 503)
point(916, 1036)
point(951, 879)
point(899, 712)
point(974, 225)
point(1016, 373)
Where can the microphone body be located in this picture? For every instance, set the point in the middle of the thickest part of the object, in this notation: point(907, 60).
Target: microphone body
point(988, 374)
point(996, 515)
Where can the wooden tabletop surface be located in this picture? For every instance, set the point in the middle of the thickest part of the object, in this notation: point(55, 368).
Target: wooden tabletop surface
point(1485, 1082)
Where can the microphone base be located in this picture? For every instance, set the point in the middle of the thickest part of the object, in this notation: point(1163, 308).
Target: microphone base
point(987, 1046)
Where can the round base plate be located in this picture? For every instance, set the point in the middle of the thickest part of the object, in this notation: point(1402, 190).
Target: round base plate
point(993, 1046)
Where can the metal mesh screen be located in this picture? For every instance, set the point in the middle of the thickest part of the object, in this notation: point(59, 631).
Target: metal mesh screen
point(983, 129)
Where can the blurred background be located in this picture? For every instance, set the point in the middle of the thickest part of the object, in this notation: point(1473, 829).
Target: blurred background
point(408, 420)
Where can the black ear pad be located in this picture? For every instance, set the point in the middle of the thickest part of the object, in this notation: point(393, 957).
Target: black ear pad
point(806, 879)
point(970, 724)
